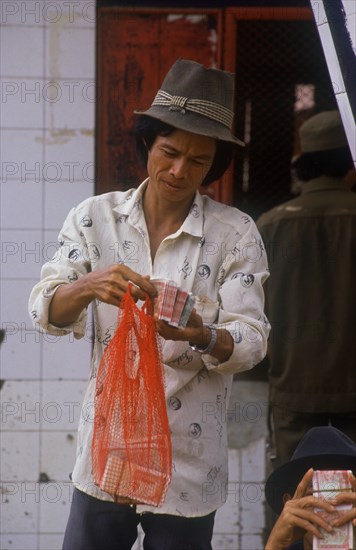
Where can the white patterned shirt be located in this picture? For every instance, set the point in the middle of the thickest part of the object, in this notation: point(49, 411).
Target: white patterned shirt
point(217, 253)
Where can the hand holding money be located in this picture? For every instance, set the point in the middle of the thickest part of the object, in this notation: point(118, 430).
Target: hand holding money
point(335, 486)
point(347, 498)
point(172, 304)
point(298, 520)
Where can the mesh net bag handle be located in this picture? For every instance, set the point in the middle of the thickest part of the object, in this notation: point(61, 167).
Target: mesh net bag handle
point(131, 446)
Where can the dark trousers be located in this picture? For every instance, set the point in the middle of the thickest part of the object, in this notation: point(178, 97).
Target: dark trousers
point(100, 525)
point(288, 428)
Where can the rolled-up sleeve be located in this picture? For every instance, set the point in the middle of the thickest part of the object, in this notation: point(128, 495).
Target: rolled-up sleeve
point(67, 265)
point(242, 275)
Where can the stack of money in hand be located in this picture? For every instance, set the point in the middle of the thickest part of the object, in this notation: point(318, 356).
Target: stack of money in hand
point(172, 304)
point(327, 484)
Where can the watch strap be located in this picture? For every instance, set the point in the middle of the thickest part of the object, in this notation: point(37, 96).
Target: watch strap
point(210, 346)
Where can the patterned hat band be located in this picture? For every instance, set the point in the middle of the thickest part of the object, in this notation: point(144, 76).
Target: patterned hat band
point(179, 96)
point(208, 109)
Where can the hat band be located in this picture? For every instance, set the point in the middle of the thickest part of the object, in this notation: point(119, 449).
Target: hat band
point(206, 108)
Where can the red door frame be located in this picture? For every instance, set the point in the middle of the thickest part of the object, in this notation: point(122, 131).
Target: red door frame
point(227, 57)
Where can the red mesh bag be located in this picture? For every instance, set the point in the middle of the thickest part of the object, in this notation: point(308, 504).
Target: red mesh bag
point(131, 447)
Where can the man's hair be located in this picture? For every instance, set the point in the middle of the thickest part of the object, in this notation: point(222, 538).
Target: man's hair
point(148, 128)
point(333, 163)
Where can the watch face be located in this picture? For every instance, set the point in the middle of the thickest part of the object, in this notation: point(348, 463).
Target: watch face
point(194, 347)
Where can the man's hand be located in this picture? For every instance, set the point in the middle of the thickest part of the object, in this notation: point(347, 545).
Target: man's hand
point(106, 285)
point(197, 333)
point(109, 285)
point(298, 518)
point(194, 331)
point(346, 498)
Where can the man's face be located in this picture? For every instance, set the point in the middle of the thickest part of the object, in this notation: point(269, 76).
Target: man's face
point(177, 165)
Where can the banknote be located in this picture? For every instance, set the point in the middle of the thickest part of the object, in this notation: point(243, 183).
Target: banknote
point(166, 295)
point(326, 485)
point(172, 304)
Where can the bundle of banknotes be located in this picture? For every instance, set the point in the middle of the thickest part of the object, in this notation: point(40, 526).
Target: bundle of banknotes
point(172, 304)
point(135, 473)
point(326, 485)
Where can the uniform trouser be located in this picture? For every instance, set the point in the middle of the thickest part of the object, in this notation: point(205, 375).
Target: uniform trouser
point(100, 525)
point(288, 428)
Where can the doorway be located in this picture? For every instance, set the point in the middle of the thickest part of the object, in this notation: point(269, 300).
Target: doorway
point(274, 52)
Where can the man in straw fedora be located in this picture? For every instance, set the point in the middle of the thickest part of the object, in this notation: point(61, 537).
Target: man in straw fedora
point(166, 229)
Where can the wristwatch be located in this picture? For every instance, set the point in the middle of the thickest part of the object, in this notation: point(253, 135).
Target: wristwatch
point(210, 346)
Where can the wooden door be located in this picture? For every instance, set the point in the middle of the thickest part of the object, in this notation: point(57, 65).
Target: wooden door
point(271, 51)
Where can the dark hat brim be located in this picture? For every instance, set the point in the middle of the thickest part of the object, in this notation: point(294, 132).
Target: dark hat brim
point(285, 479)
point(191, 122)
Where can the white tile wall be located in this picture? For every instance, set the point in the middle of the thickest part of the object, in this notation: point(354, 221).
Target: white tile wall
point(239, 523)
point(26, 217)
point(56, 199)
point(21, 253)
point(22, 154)
point(70, 103)
point(20, 405)
point(68, 155)
point(66, 357)
point(22, 102)
point(64, 39)
point(13, 301)
point(61, 410)
point(27, 53)
point(47, 155)
point(54, 506)
point(49, 463)
point(50, 542)
point(19, 542)
point(13, 467)
point(20, 507)
point(20, 353)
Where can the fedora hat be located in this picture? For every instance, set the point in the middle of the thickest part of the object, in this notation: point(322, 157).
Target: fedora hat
point(196, 99)
point(321, 448)
point(322, 132)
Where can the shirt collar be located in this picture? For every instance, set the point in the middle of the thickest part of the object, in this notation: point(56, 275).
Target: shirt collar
point(193, 223)
point(131, 206)
point(131, 201)
point(324, 184)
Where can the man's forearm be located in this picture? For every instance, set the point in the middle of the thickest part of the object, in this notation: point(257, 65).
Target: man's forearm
point(69, 301)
